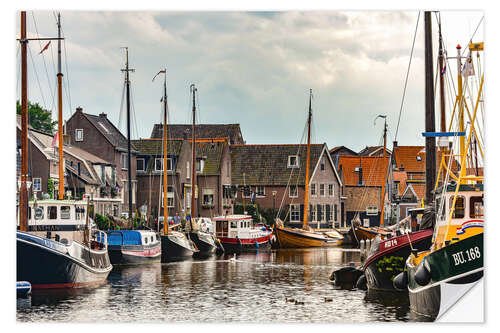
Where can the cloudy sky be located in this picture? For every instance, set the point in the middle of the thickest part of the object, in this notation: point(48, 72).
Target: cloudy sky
point(251, 68)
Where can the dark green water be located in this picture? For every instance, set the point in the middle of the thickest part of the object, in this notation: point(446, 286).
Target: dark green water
point(251, 289)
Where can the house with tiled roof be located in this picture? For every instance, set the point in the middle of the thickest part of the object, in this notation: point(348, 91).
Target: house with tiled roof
point(212, 176)
point(338, 151)
point(276, 174)
point(178, 131)
point(364, 178)
point(84, 173)
point(97, 135)
point(374, 151)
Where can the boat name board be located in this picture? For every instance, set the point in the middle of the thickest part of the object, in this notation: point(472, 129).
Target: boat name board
point(390, 243)
point(471, 254)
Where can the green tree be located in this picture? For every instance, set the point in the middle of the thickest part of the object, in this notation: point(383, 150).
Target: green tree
point(38, 117)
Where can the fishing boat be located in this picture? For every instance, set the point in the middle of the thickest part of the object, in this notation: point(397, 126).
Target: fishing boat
point(174, 244)
point(437, 278)
point(56, 246)
point(306, 236)
point(237, 233)
point(133, 246)
point(205, 242)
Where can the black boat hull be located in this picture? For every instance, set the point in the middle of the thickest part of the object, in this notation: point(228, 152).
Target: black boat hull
point(173, 250)
point(245, 247)
point(134, 254)
point(381, 270)
point(204, 242)
point(47, 268)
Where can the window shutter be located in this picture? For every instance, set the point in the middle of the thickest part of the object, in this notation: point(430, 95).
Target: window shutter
point(301, 217)
point(335, 212)
point(328, 213)
point(319, 212)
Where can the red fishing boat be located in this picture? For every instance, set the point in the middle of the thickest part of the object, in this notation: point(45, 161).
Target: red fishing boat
point(237, 233)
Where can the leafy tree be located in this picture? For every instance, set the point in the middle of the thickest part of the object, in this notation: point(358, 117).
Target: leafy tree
point(50, 187)
point(38, 117)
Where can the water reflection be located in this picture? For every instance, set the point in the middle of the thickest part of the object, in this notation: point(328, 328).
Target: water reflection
point(248, 287)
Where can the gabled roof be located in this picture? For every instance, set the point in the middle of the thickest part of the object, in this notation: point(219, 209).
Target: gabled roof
point(154, 147)
point(108, 130)
point(374, 169)
point(373, 151)
point(405, 158)
point(268, 164)
point(211, 153)
point(231, 131)
point(342, 150)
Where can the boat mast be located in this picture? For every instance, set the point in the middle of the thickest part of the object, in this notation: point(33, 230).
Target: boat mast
point(304, 225)
point(129, 169)
point(382, 193)
point(165, 185)
point(23, 191)
point(430, 126)
point(193, 158)
point(441, 81)
point(60, 112)
point(460, 100)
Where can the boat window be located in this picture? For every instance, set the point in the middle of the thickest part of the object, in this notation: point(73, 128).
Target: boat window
point(476, 207)
point(459, 211)
point(65, 212)
point(29, 213)
point(152, 239)
point(39, 213)
point(80, 213)
point(234, 224)
point(52, 212)
point(145, 240)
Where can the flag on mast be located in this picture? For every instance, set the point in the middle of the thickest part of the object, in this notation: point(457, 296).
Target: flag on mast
point(55, 140)
point(45, 48)
point(162, 71)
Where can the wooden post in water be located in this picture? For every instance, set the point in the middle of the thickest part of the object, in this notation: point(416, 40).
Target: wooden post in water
point(430, 126)
point(23, 190)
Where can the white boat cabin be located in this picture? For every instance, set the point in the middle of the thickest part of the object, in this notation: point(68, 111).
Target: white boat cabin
point(56, 215)
point(237, 226)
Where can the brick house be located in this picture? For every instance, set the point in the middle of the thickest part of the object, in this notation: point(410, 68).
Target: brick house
point(84, 173)
point(268, 169)
point(363, 178)
point(98, 136)
point(212, 176)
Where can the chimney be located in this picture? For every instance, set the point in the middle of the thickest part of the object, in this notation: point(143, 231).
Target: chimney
point(360, 173)
point(186, 134)
point(102, 115)
point(79, 109)
point(394, 145)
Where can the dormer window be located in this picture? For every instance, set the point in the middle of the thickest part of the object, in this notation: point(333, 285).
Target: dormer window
point(293, 161)
point(356, 169)
point(200, 163)
point(79, 134)
point(419, 158)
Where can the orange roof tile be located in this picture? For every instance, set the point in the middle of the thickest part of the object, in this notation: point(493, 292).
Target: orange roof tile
point(406, 157)
point(374, 169)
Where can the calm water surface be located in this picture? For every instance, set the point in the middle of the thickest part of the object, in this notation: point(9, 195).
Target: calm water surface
point(252, 289)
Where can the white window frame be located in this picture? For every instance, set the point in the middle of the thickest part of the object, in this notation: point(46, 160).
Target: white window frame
point(123, 161)
point(331, 215)
point(39, 181)
point(322, 165)
point(79, 137)
point(313, 213)
point(332, 192)
point(188, 173)
point(290, 194)
point(257, 191)
point(294, 210)
point(297, 164)
point(315, 192)
point(370, 210)
point(143, 164)
point(324, 190)
point(161, 163)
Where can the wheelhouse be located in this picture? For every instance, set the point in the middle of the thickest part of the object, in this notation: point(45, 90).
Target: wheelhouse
point(233, 226)
point(57, 215)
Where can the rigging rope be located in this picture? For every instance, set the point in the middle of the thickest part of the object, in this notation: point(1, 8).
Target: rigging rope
point(407, 75)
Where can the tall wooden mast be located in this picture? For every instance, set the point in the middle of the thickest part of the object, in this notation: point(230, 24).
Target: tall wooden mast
point(60, 111)
point(441, 81)
point(129, 168)
point(193, 158)
point(306, 197)
point(430, 124)
point(382, 193)
point(165, 178)
point(23, 191)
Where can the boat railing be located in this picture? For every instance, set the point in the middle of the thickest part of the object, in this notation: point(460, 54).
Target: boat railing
point(98, 239)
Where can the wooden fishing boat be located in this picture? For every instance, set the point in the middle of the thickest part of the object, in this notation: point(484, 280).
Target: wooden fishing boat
point(437, 278)
point(56, 246)
point(305, 237)
point(237, 233)
point(174, 244)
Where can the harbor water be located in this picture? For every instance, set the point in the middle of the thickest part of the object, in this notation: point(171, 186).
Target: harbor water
point(287, 286)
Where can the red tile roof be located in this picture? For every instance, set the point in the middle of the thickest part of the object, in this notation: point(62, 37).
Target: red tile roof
point(374, 169)
point(405, 157)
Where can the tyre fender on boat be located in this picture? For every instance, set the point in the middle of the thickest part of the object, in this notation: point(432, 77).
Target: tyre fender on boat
point(361, 283)
point(401, 281)
point(422, 275)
